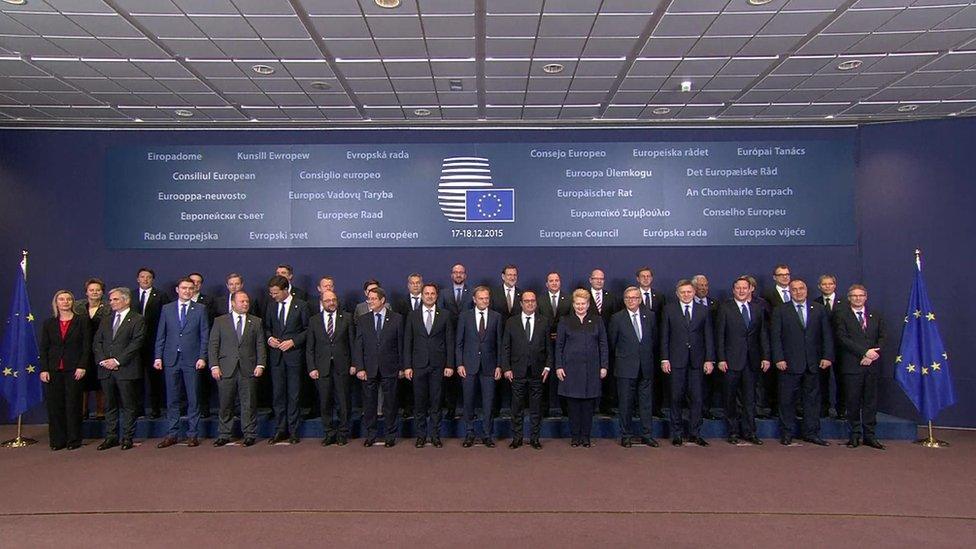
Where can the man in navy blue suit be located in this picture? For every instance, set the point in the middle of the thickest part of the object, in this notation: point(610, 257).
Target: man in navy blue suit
point(742, 349)
point(428, 354)
point(181, 350)
point(285, 323)
point(454, 298)
point(631, 336)
point(479, 343)
point(378, 359)
point(687, 353)
point(802, 345)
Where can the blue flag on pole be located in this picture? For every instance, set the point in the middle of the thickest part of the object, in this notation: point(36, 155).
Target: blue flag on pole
point(20, 380)
point(922, 365)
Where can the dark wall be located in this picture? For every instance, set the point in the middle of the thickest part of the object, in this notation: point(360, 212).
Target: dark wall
point(53, 205)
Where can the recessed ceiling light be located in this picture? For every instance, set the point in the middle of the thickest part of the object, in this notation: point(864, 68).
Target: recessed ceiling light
point(553, 68)
point(184, 113)
point(137, 120)
point(422, 112)
point(953, 114)
point(15, 2)
point(661, 110)
point(388, 4)
point(829, 117)
point(849, 65)
point(19, 119)
point(712, 118)
point(907, 108)
point(320, 85)
point(686, 86)
point(254, 120)
point(758, 2)
point(263, 70)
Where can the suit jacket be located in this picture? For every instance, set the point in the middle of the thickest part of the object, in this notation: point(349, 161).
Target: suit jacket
point(74, 350)
point(182, 345)
point(363, 308)
point(737, 344)
point(772, 297)
point(263, 300)
point(228, 353)
point(405, 306)
point(322, 352)
point(434, 351)
point(838, 303)
point(379, 353)
point(657, 302)
point(154, 308)
point(678, 337)
point(633, 358)
point(611, 304)
point(479, 353)
point(220, 305)
point(207, 301)
point(524, 357)
point(801, 348)
point(124, 347)
point(296, 322)
point(445, 300)
point(853, 341)
point(563, 308)
point(499, 302)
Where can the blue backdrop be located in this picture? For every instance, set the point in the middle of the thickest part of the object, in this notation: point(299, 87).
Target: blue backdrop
point(911, 188)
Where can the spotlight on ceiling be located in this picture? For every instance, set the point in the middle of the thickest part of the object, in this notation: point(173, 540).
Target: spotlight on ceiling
point(263, 70)
point(137, 120)
point(686, 86)
point(553, 68)
point(758, 2)
point(849, 65)
point(254, 120)
point(907, 108)
point(15, 2)
point(422, 112)
point(184, 113)
point(388, 4)
point(320, 85)
point(661, 110)
point(829, 117)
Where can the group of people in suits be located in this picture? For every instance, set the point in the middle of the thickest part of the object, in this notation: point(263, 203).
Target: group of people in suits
point(573, 349)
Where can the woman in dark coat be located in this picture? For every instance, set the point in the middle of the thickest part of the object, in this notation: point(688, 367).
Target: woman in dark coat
point(582, 359)
point(94, 309)
point(65, 352)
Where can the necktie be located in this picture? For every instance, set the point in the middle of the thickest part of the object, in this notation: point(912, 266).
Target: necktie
point(116, 324)
point(637, 328)
point(745, 315)
point(860, 318)
point(481, 324)
point(803, 314)
point(508, 297)
point(142, 301)
point(598, 297)
point(430, 320)
point(183, 314)
point(688, 314)
point(281, 313)
point(457, 296)
point(786, 296)
point(379, 323)
point(647, 300)
point(330, 326)
point(554, 301)
point(416, 303)
point(240, 327)
point(528, 328)
point(827, 303)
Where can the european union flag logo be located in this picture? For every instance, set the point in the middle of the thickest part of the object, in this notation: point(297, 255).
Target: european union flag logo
point(922, 365)
point(489, 205)
point(20, 380)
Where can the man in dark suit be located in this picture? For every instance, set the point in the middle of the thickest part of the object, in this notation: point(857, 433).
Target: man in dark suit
point(631, 337)
point(832, 302)
point(773, 297)
point(237, 356)
point(285, 323)
point(411, 302)
point(687, 352)
point(604, 304)
point(206, 383)
point(362, 308)
point(181, 350)
point(328, 357)
point(116, 348)
point(526, 362)
point(284, 270)
point(653, 301)
point(310, 392)
point(429, 356)
point(149, 302)
point(861, 336)
point(802, 345)
point(316, 306)
point(455, 299)
point(479, 345)
point(506, 299)
point(742, 349)
point(222, 305)
point(779, 292)
point(378, 357)
point(712, 392)
point(554, 303)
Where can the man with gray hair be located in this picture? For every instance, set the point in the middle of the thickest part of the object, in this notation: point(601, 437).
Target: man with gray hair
point(116, 349)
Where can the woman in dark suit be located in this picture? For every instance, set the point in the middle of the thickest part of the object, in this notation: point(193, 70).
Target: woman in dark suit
point(582, 359)
point(94, 309)
point(65, 357)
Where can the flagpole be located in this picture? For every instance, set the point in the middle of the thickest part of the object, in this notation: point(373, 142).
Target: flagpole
point(20, 441)
point(930, 441)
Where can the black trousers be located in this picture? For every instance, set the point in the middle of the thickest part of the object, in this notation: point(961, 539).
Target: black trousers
point(740, 401)
point(526, 390)
point(640, 392)
point(713, 391)
point(286, 382)
point(767, 384)
point(156, 385)
point(581, 417)
point(427, 385)
point(861, 390)
point(333, 389)
point(661, 386)
point(121, 395)
point(231, 389)
point(789, 389)
point(451, 391)
point(608, 393)
point(371, 389)
point(840, 401)
point(205, 390)
point(405, 393)
point(63, 396)
point(686, 383)
point(310, 396)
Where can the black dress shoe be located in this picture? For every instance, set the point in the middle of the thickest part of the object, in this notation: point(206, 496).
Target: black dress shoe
point(676, 441)
point(874, 443)
point(575, 443)
point(420, 442)
point(516, 442)
point(126, 444)
point(166, 442)
point(221, 442)
point(468, 441)
point(488, 442)
point(436, 441)
point(816, 440)
point(754, 440)
point(649, 441)
point(342, 440)
point(853, 442)
point(700, 441)
point(625, 442)
point(390, 442)
point(587, 443)
point(294, 440)
point(56, 447)
point(329, 440)
point(279, 437)
point(534, 443)
point(249, 441)
point(786, 440)
point(733, 440)
point(73, 445)
point(369, 442)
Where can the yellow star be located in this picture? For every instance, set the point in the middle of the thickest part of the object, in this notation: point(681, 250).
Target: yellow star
point(925, 371)
point(31, 369)
point(917, 313)
point(8, 372)
point(910, 368)
point(898, 359)
point(930, 316)
point(30, 317)
point(936, 366)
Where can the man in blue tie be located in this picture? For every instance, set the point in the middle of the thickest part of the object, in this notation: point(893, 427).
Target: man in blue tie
point(181, 350)
point(285, 324)
point(378, 358)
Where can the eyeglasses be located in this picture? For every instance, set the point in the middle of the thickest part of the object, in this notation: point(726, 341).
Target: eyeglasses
point(781, 274)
